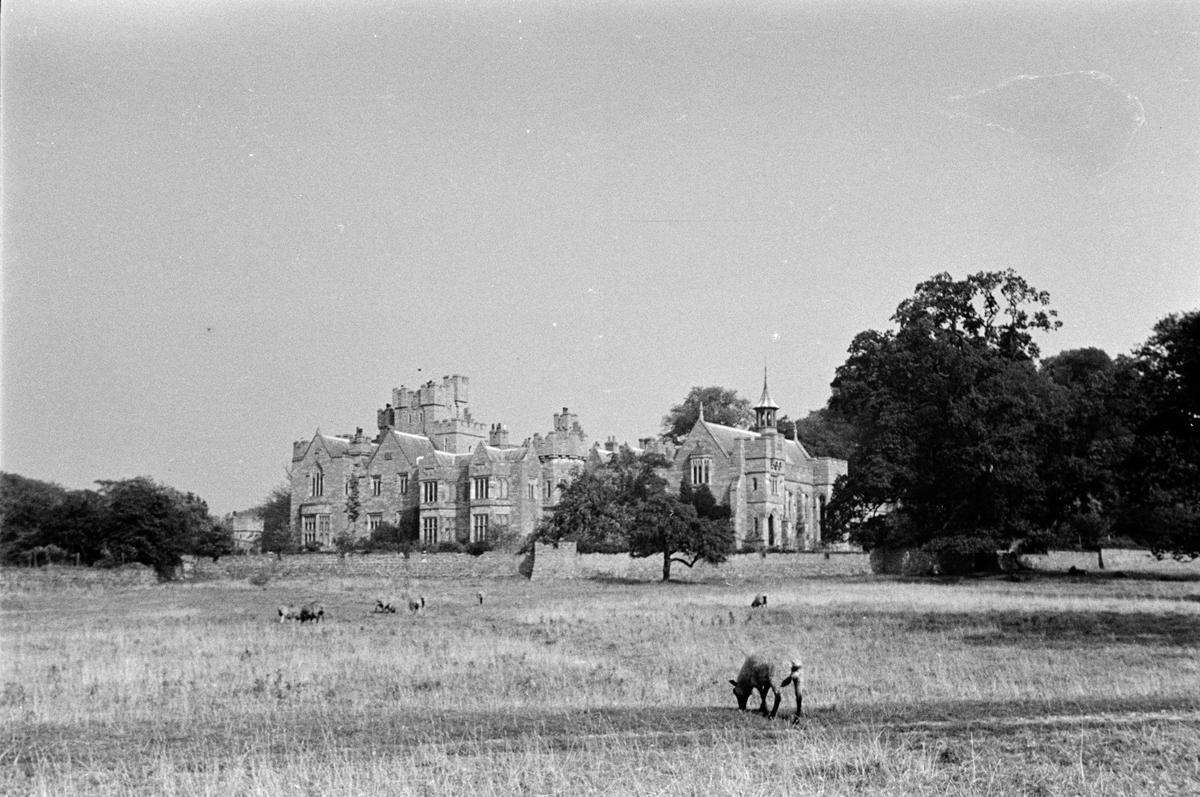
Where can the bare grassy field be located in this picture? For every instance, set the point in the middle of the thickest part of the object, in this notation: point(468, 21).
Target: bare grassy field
point(1046, 687)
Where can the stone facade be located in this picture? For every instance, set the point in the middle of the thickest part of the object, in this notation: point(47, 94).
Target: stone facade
point(462, 481)
point(775, 489)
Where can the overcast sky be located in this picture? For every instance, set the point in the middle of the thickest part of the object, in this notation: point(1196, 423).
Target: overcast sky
point(229, 223)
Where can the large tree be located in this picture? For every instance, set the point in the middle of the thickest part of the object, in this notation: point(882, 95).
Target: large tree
point(1095, 406)
point(822, 432)
point(663, 525)
point(948, 414)
point(151, 523)
point(278, 536)
point(721, 405)
point(1163, 471)
point(596, 508)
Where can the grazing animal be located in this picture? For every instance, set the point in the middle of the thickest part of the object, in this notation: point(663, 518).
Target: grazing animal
point(1075, 571)
point(288, 612)
point(759, 600)
point(416, 605)
point(758, 674)
point(385, 605)
point(312, 611)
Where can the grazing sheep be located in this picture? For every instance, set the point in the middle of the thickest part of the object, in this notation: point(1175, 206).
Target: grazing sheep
point(288, 612)
point(758, 673)
point(385, 605)
point(416, 605)
point(759, 600)
point(312, 611)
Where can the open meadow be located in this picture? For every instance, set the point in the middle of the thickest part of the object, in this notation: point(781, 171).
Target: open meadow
point(1048, 686)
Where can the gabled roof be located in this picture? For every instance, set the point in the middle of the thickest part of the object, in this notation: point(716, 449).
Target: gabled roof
point(725, 437)
point(411, 446)
point(796, 451)
point(333, 446)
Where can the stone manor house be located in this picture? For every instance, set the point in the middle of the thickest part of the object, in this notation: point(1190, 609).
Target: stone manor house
point(466, 482)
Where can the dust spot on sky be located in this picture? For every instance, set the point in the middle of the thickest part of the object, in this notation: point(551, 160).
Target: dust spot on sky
point(1086, 120)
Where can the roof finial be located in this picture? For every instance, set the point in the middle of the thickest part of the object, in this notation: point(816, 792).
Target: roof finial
point(701, 410)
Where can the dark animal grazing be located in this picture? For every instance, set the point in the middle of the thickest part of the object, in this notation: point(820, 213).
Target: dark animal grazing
point(759, 600)
point(1075, 571)
point(758, 674)
point(416, 605)
point(314, 612)
point(385, 606)
point(288, 612)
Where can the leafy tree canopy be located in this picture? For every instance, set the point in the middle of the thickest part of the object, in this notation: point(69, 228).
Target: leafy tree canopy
point(1164, 467)
point(948, 414)
point(663, 525)
point(721, 405)
point(276, 512)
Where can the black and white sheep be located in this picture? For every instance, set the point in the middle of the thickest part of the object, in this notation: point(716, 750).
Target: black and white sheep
point(416, 605)
point(312, 611)
point(758, 674)
point(759, 600)
point(385, 605)
point(288, 612)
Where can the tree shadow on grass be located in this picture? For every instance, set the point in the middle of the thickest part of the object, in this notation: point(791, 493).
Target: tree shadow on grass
point(1074, 629)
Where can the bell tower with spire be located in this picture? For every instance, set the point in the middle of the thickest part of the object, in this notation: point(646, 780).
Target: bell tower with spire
point(764, 411)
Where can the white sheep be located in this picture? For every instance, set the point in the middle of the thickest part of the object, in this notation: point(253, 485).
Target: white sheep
point(758, 673)
point(288, 612)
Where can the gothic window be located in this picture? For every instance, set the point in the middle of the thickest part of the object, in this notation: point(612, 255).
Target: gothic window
point(532, 490)
point(480, 488)
point(429, 529)
point(702, 470)
point(547, 489)
point(429, 492)
point(376, 485)
point(479, 528)
point(318, 483)
point(374, 521)
point(402, 482)
point(310, 528)
point(323, 528)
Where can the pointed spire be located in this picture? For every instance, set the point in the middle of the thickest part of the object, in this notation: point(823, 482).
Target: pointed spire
point(765, 401)
point(701, 410)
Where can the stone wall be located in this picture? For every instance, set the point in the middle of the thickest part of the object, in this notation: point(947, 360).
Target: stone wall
point(491, 564)
point(564, 562)
point(58, 577)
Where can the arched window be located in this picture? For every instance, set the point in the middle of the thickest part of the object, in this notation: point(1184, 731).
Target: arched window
point(317, 483)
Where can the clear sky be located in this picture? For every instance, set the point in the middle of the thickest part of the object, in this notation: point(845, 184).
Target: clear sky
point(227, 224)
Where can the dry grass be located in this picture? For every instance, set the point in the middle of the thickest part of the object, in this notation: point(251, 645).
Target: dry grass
point(1051, 686)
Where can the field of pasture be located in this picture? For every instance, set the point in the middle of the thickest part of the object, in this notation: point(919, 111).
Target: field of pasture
point(1048, 686)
